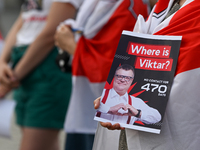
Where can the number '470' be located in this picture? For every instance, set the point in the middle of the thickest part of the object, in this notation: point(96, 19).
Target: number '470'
point(153, 87)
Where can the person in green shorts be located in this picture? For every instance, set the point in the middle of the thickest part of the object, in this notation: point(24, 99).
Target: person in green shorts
point(42, 91)
point(43, 96)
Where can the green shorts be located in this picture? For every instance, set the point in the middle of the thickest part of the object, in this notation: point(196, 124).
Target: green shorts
point(43, 96)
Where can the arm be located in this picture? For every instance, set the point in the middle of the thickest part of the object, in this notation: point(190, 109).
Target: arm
point(64, 38)
point(148, 114)
point(7, 76)
point(132, 111)
point(43, 44)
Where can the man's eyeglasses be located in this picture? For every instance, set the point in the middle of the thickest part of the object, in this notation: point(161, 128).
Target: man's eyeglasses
point(126, 78)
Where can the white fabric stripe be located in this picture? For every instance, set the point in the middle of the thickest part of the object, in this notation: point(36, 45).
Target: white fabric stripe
point(84, 13)
point(106, 139)
point(80, 115)
point(100, 17)
point(93, 15)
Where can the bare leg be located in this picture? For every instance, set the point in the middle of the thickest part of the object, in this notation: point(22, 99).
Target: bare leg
point(39, 139)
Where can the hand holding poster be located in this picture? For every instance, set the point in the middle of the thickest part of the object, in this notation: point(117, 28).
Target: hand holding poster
point(139, 82)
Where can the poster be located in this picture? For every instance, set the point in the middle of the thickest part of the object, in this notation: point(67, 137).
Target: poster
point(139, 83)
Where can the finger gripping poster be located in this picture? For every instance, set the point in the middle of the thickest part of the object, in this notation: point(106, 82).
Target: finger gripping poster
point(139, 83)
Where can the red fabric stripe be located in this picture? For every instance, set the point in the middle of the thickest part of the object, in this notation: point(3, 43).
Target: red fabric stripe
point(186, 22)
point(161, 6)
point(93, 57)
point(105, 96)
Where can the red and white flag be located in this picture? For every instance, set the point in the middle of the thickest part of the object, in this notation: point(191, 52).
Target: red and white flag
point(181, 125)
point(102, 23)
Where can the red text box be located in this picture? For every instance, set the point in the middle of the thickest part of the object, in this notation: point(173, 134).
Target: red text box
point(153, 64)
point(160, 51)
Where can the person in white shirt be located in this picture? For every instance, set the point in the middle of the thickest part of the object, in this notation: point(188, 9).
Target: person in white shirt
point(118, 106)
point(101, 23)
point(180, 128)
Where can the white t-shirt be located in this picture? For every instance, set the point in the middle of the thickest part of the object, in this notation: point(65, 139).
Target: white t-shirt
point(34, 14)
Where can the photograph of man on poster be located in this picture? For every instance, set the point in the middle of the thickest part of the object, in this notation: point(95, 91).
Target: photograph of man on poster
point(118, 106)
